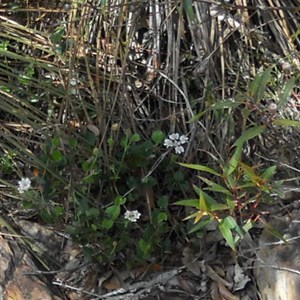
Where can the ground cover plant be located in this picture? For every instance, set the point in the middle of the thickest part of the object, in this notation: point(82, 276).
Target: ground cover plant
point(113, 118)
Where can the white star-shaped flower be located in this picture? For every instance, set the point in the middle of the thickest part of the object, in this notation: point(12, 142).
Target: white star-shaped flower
point(176, 141)
point(132, 216)
point(24, 185)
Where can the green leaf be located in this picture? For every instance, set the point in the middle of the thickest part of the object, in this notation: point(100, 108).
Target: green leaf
point(178, 176)
point(224, 105)
point(188, 8)
point(200, 168)
point(248, 225)
point(249, 172)
point(144, 247)
point(92, 212)
point(225, 227)
point(202, 202)
point(162, 216)
point(218, 207)
point(201, 224)
point(286, 92)
point(273, 231)
point(211, 204)
point(269, 172)
point(56, 155)
point(216, 106)
point(234, 161)
point(135, 138)
point(158, 136)
point(119, 200)
point(231, 204)
point(197, 190)
point(57, 36)
point(197, 117)
point(163, 202)
point(113, 211)
point(107, 223)
point(188, 202)
point(286, 122)
point(249, 134)
point(214, 186)
point(259, 85)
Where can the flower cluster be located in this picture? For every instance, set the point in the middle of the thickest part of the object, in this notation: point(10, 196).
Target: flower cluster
point(132, 216)
point(176, 141)
point(24, 185)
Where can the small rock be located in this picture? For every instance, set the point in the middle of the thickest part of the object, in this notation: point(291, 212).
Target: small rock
point(278, 267)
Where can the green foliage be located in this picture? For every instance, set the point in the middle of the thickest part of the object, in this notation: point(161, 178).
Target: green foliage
point(232, 194)
point(70, 175)
point(7, 163)
point(258, 86)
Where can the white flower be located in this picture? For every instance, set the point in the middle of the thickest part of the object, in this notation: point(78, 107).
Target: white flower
point(24, 185)
point(132, 216)
point(176, 141)
point(174, 136)
point(183, 139)
point(179, 149)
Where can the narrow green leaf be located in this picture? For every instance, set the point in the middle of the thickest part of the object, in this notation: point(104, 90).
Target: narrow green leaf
point(231, 204)
point(249, 172)
point(200, 168)
point(197, 190)
point(248, 225)
point(202, 202)
point(286, 92)
point(269, 172)
point(212, 204)
point(224, 105)
point(214, 186)
point(233, 162)
point(188, 202)
point(57, 36)
point(218, 207)
point(246, 185)
point(224, 227)
point(197, 117)
point(273, 231)
point(249, 134)
point(286, 122)
point(259, 85)
point(188, 8)
point(216, 106)
point(201, 224)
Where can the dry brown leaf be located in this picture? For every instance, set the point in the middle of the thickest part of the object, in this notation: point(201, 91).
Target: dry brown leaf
point(117, 280)
point(240, 279)
point(215, 277)
point(141, 271)
point(220, 271)
point(188, 260)
point(94, 129)
point(186, 285)
point(226, 294)
point(214, 293)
